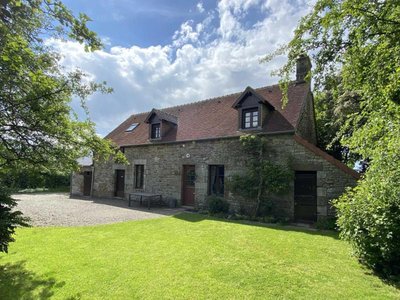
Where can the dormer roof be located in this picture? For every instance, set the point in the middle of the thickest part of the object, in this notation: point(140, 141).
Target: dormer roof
point(249, 91)
point(162, 115)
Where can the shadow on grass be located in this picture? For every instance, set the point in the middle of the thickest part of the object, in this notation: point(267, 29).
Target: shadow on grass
point(393, 281)
point(17, 282)
point(195, 217)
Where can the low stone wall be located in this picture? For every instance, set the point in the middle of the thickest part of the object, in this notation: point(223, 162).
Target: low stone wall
point(77, 181)
point(77, 184)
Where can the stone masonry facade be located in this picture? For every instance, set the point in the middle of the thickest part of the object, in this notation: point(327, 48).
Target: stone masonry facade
point(167, 143)
point(163, 165)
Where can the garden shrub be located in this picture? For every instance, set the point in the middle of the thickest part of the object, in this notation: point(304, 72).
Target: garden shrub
point(328, 223)
point(369, 217)
point(217, 205)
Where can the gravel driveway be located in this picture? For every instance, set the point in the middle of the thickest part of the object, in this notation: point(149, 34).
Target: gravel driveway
point(59, 210)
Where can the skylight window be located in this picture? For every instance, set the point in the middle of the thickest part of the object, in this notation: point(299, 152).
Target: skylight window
point(132, 127)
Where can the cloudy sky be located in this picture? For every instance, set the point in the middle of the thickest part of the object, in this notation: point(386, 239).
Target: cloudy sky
point(164, 53)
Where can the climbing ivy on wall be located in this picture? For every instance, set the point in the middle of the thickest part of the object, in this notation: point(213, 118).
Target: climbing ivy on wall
point(262, 177)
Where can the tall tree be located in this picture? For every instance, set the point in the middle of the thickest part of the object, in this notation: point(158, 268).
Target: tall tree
point(38, 129)
point(331, 109)
point(360, 41)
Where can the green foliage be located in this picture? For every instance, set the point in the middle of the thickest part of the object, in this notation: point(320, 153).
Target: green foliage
point(38, 129)
point(262, 177)
point(360, 42)
point(217, 205)
point(369, 217)
point(328, 223)
point(332, 107)
point(32, 180)
point(10, 219)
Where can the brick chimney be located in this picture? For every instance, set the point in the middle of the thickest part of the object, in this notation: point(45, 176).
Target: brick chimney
point(303, 66)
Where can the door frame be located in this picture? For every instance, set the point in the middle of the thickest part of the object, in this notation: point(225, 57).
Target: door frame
point(116, 182)
point(183, 185)
point(315, 194)
point(88, 180)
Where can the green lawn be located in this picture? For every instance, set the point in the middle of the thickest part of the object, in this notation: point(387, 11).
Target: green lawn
point(188, 256)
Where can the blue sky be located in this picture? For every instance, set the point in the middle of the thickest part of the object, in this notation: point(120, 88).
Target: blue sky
point(163, 53)
point(142, 23)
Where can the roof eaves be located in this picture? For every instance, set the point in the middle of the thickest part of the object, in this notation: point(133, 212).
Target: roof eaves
point(279, 132)
point(327, 157)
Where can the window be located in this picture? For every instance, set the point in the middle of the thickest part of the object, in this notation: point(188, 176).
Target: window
point(216, 182)
point(250, 118)
point(155, 131)
point(139, 176)
point(132, 127)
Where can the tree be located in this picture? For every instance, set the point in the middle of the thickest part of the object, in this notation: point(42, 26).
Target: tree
point(360, 42)
point(38, 129)
point(263, 178)
point(331, 109)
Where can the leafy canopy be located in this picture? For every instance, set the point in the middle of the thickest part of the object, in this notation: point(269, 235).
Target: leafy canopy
point(38, 129)
point(360, 42)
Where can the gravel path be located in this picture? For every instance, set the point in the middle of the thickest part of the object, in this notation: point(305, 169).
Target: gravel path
point(59, 210)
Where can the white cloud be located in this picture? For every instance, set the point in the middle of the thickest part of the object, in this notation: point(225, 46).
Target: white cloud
point(187, 34)
point(201, 61)
point(200, 7)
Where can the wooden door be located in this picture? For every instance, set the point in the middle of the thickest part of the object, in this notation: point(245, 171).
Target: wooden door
point(305, 196)
point(188, 184)
point(119, 183)
point(87, 183)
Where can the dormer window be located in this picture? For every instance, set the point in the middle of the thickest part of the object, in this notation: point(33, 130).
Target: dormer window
point(161, 125)
point(250, 118)
point(155, 131)
point(252, 109)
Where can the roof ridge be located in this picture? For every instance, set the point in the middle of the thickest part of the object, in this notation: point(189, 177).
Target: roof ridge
point(215, 98)
point(164, 112)
point(199, 101)
point(205, 100)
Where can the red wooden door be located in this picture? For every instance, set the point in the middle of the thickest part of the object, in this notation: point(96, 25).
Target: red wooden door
point(188, 184)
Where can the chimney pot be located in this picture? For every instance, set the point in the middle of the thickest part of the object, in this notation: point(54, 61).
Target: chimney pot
point(303, 67)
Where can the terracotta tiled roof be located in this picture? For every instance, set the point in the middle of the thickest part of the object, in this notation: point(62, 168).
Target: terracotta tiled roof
point(216, 118)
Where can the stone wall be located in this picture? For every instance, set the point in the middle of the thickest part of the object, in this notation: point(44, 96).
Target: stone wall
point(164, 164)
point(77, 181)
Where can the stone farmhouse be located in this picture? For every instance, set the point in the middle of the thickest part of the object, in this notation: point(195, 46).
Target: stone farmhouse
point(188, 152)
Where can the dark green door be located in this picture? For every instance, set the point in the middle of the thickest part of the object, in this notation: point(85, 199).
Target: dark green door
point(120, 183)
point(87, 183)
point(305, 196)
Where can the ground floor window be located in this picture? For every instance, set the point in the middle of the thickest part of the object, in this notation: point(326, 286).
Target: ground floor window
point(216, 180)
point(139, 176)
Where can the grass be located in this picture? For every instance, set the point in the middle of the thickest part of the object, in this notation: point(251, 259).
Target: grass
point(187, 256)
